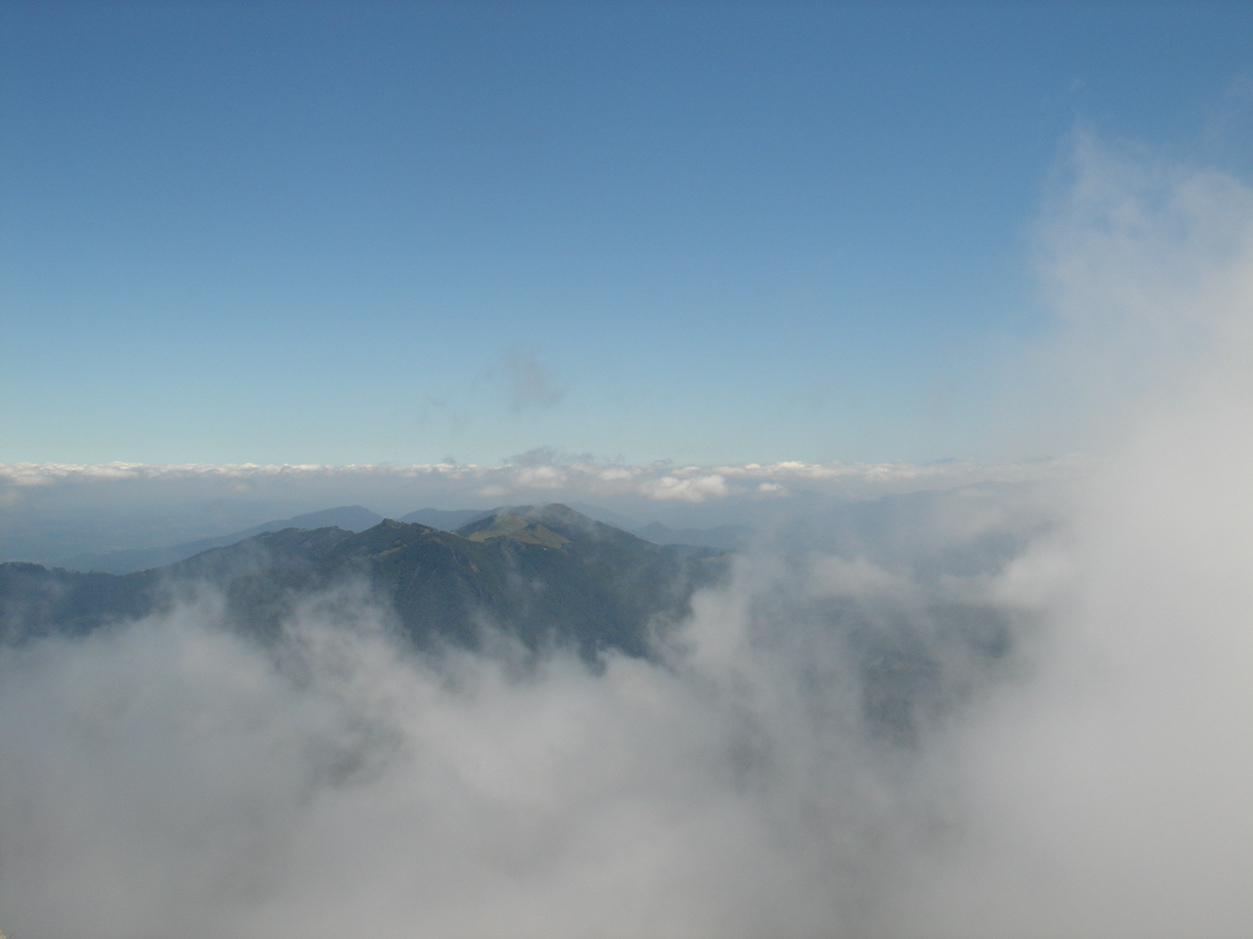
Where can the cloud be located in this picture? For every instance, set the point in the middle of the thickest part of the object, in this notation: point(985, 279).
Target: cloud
point(688, 488)
point(1145, 263)
point(529, 383)
point(661, 481)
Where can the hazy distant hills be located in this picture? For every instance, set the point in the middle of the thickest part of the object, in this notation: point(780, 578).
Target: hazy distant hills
point(351, 517)
point(726, 537)
point(446, 519)
point(545, 575)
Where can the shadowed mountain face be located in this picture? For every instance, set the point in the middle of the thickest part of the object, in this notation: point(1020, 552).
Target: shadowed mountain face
point(544, 575)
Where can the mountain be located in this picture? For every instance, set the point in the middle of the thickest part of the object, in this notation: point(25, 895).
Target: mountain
point(726, 537)
point(543, 575)
point(447, 519)
point(350, 517)
point(452, 519)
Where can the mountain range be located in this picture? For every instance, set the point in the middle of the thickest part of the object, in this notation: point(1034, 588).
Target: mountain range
point(356, 518)
point(543, 575)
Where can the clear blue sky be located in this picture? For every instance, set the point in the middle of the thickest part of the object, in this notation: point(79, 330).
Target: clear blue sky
point(398, 232)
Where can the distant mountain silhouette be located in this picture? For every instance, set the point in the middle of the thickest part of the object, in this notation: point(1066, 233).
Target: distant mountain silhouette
point(446, 519)
point(727, 537)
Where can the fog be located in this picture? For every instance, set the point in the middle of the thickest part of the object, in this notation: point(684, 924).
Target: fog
point(1073, 760)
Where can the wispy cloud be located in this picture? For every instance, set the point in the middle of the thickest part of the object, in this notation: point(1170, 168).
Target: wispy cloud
point(529, 383)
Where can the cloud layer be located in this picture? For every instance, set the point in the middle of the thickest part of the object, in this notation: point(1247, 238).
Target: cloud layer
point(657, 482)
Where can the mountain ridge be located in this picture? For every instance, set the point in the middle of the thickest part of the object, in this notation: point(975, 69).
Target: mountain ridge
point(542, 574)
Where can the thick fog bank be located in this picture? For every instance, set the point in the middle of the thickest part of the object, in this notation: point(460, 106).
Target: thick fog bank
point(1048, 739)
point(1107, 796)
point(761, 776)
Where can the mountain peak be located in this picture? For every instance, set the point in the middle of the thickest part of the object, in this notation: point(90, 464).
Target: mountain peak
point(525, 525)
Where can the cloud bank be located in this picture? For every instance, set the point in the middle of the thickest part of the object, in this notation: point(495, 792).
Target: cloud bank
point(656, 482)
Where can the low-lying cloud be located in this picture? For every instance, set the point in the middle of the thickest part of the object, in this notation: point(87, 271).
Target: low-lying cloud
point(169, 778)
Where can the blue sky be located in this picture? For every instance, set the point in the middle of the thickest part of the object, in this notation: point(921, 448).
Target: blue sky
point(404, 232)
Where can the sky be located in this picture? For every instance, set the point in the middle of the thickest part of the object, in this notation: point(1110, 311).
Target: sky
point(403, 233)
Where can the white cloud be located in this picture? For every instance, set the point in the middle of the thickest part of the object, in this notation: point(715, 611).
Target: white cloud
point(539, 477)
point(579, 479)
point(687, 488)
